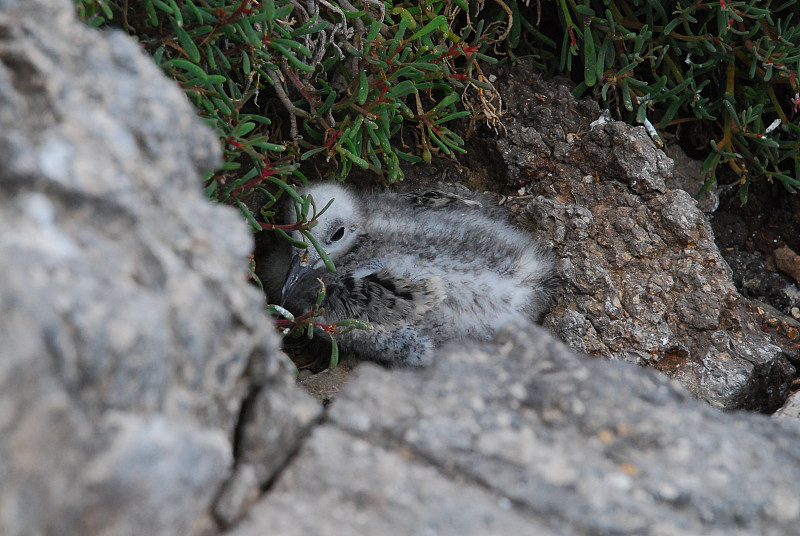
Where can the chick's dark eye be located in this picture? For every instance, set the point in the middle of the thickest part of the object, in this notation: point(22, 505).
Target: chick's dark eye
point(338, 234)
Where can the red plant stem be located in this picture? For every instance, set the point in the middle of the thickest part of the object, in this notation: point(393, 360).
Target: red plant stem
point(236, 13)
point(284, 227)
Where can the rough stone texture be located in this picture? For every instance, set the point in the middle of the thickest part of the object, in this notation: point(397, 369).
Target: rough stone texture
point(788, 262)
point(326, 385)
point(644, 281)
point(525, 437)
point(130, 337)
point(686, 176)
point(345, 485)
point(754, 275)
point(756, 281)
point(790, 409)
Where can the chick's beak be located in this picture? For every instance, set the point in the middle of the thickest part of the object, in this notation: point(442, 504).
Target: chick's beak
point(300, 265)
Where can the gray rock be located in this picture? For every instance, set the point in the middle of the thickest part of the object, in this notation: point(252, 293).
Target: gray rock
point(561, 443)
point(617, 150)
point(756, 281)
point(640, 263)
point(686, 176)
point(790, 408)
point(130, 336)
point(341, 484)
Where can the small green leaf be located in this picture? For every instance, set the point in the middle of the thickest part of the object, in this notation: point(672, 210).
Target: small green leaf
point(579, 90)
point(163, 6)
point(158, 55)
point(334, 354)
point(291, 57)
point(196, 14)
point(450, 117)
point(188, 44)
point(215, 79)
point(604, 91)
point(672, 109)
point(211, 190)
point(731, 111)
point(246, 62)
point(743, 190)
point(243, 128)
point(626, 95)
point(603, 55)
point(710, 163)
point(329, 100)
point(360, 162)
point(322, 253)
point(294, 45)
point(439, 142)
point(152, 17)
point(452, 98)
point(590, 59)
point(671, 25)
point(402, 89)
point(308, 154)
point(221, 106)
point(286, 236)
point(188, 66)
point(516, 27)
point(212, 64)
point(641, 113)
point(429, 28)
point(374, 30)
point(277, 310)
point(363, 88)
point(488, 59)
point(268, 146)
point(176, 12)
point(310, 27)
point(414, 159)
point(248, 215)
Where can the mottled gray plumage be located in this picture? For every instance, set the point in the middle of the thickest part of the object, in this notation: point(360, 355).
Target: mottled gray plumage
point(422, 269)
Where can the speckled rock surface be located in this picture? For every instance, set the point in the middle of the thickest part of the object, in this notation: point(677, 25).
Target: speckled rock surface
point(130, 337)
point(790, 409)
point(644, 280)
point(525, 433)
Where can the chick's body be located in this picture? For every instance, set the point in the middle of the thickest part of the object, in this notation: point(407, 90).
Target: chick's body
point(419, 273)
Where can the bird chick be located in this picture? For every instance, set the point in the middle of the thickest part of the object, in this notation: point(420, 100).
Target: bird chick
point(419, 272)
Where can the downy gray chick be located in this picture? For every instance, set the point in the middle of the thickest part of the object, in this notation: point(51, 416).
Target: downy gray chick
point(421, 269)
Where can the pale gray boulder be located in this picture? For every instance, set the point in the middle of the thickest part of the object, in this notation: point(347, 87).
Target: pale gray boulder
point(523, 436)
point(130, 338)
